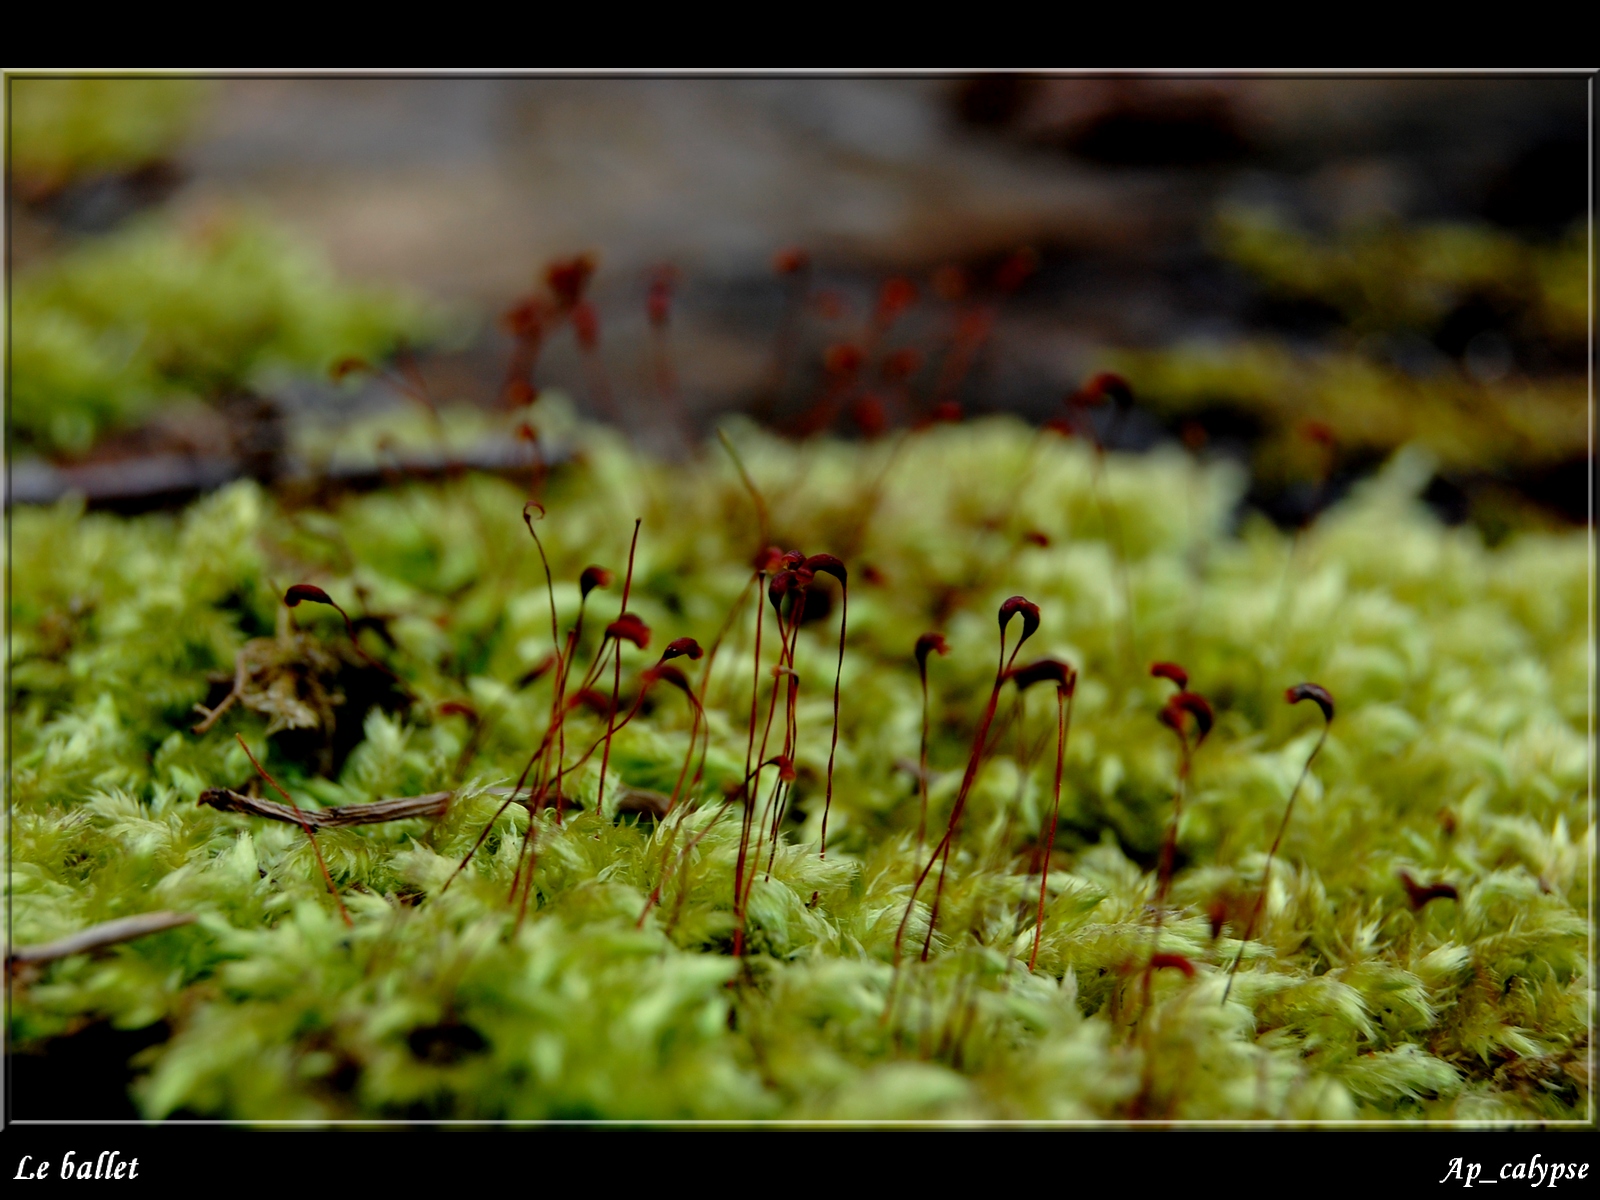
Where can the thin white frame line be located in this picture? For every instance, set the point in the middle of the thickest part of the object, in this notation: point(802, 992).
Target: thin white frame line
point(909, 1123)
point(604, 73)
point(1591, 613)
point(7, 74)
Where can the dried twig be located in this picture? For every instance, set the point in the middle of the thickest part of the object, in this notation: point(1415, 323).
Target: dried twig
point(432, 805)
point(97, 937)
point(165, 478)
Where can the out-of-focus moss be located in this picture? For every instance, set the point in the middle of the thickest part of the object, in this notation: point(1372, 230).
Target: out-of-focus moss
point(66, 128)
point(1391, 277)
point(102, 335)
point(1368, 405)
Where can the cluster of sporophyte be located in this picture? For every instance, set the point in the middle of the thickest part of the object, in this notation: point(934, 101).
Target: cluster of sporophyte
point(596, 882)
point(156, 312)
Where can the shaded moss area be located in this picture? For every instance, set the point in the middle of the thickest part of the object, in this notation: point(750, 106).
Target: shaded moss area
point(1458, 756)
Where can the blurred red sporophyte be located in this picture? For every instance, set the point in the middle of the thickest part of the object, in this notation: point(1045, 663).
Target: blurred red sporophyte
point(525, 319)
point(1046, 670)
point(873, 576)
point(1177, 961)
point(536, 672)
point(1029, 612)
point(769, 560)
point(974, 326)
point(843, 359)
point(348, 366)
point(307, 591)
point(1194, 435)
point(830, 306)
point(779, 587)
point(1035, 537)
point(527, 433)
point(1195, 706)
point(594, 577)
point(457, 708)
point(586, 325)
point(791, 261)
point(900, 365)
point(1107, 385)
point(659, 303)
point(930, 643)
point(518, 394)
point(896, 295)
point(1016, 270)
point(596, 702)
point(947, 412)
point(1172, 671)
point(1319, 432)
point(1421, 893)
point(664, 672)
point(1316, 693)
point(785, 765)
point(828, 565)
point(681, 648)
point(950, 283)
point(1217, 915)
point(567, 278)
point(1062, 425)
point(629, 628)
point(870, 415)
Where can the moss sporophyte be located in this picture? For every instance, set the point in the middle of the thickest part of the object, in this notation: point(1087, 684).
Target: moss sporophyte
point(421, 805)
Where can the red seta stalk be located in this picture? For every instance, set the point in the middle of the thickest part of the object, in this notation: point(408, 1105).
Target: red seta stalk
point(1183, 709)
point(304, 824)
point(1066, 688)
point(1030, 623)
point(768, 560)
point(791, 583)
point(563, 659)
point(829, 564)
point(616, 676)
point(555, 732)
point(306, 591)
point(928, 643)
point(1323, 699)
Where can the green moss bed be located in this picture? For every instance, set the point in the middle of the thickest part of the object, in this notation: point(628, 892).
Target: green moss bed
point(1421, 952)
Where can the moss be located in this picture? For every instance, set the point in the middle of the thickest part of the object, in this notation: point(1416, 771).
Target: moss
point(1458, 756)
point(65, 128)
point(120, 325)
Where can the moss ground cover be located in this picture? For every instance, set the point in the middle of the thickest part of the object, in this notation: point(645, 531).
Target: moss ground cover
point(127, 324)
point(1422, 939)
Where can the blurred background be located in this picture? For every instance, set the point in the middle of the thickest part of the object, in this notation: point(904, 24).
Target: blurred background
point(314, 279)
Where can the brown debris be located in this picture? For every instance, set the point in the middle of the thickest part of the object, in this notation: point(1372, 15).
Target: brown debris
point(97, 937)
